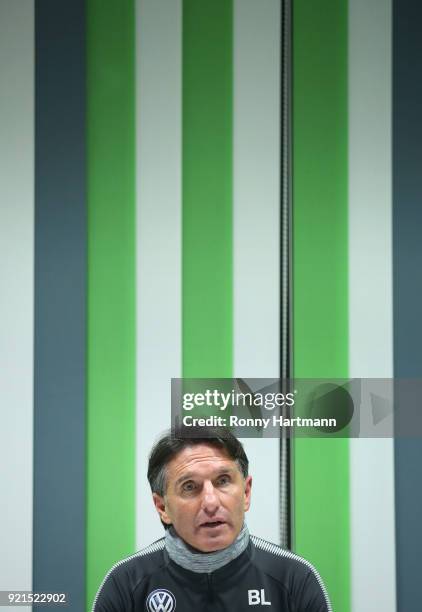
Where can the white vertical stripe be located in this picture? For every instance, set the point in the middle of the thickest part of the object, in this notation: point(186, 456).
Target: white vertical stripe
point(17, 291)
point(256, 218)
point(373, 581)
point(159, 249)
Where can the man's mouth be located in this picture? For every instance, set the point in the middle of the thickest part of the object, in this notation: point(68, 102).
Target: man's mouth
point(212, 524)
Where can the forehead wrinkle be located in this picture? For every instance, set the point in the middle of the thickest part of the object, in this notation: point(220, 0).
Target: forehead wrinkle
point(177, 468)
point(199, 461)
point(217, 472)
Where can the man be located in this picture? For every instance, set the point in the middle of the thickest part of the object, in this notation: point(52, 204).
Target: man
point(207, 560)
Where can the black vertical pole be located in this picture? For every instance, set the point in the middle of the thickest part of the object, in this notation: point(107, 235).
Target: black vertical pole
point(285, 266)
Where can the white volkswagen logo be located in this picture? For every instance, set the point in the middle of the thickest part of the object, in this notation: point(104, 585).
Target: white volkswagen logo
point(161, 600)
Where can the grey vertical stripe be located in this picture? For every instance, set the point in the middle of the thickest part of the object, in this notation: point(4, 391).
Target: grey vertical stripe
point(60, 280)
point(17, 291)
point(159, 248)
point(256, 222)
point(373, 580)
point(407, 220)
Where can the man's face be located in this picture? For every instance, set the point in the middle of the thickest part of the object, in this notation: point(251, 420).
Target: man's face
point(206, 497)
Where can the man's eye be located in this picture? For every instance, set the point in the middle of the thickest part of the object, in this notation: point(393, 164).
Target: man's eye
point(223, 480)
point(188, 487)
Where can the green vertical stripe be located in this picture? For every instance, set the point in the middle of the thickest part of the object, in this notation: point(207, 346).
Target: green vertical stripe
point(207, 188)
point(111, 286)
point(321, 277)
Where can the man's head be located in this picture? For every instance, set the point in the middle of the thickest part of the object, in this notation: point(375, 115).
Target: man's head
point(201, 486)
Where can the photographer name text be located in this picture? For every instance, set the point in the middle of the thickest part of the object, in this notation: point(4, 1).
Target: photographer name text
point(259, 423)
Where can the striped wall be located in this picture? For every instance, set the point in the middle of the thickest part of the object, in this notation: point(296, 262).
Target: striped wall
point(17, 292)
point(159, 234)
point(320, 267)
point(372, 532)
point(407, 294)
point(140, 240)
point(256, 235)
point(59, 301)
point(110, 112)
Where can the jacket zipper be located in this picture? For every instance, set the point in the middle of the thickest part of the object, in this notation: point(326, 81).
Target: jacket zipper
point(209, 585)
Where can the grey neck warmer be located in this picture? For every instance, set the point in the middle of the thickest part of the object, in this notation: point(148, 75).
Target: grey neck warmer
point(196, 561)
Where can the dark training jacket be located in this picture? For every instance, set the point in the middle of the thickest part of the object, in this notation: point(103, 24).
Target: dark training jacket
point(264, 577)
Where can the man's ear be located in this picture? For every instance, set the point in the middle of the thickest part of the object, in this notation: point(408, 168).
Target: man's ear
point(248, 491)
point(160, 506)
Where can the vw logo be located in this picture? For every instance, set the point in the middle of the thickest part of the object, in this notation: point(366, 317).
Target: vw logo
point(161, 600)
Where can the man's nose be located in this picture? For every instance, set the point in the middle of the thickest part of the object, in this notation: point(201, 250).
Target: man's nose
point(210, 500)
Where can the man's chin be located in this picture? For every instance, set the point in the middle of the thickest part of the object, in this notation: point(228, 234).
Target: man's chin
point(213, 542)
point(213, 547)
